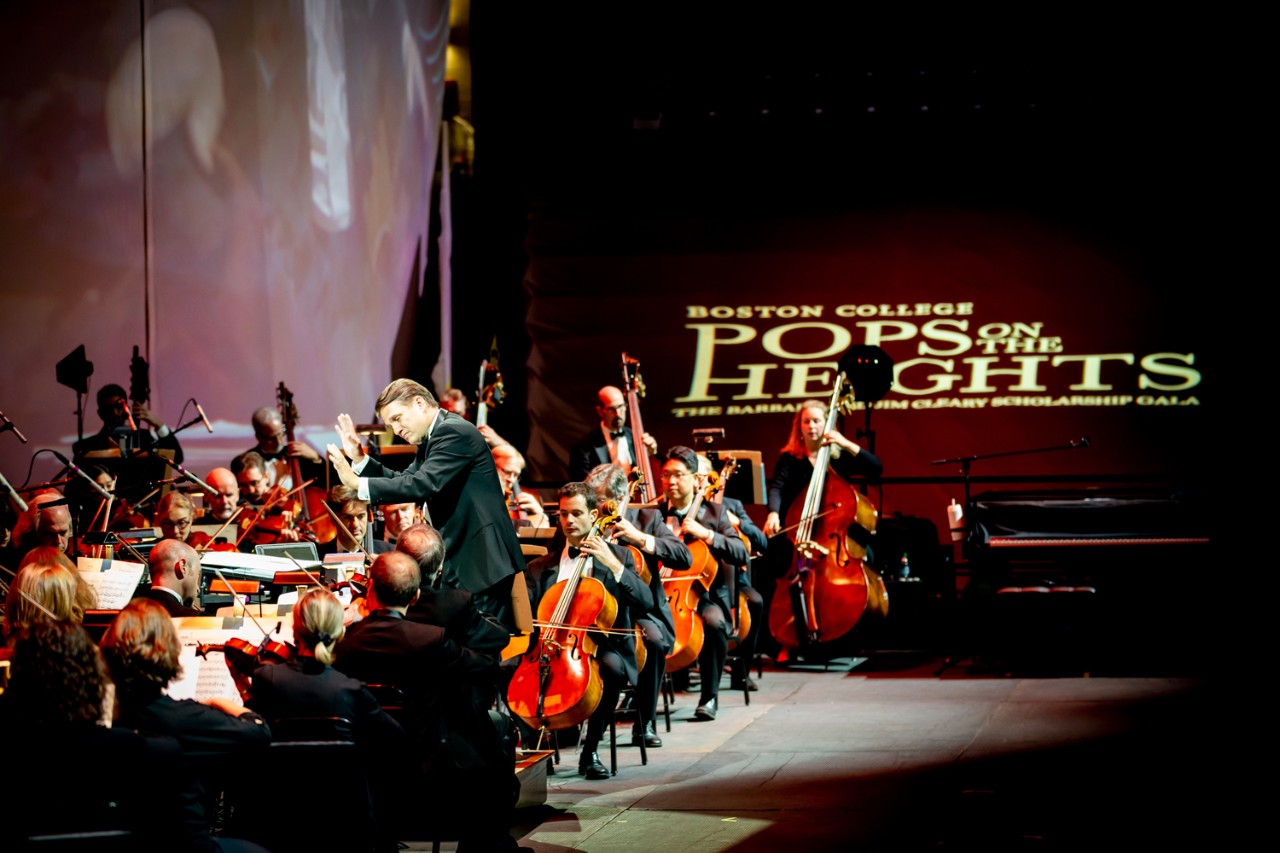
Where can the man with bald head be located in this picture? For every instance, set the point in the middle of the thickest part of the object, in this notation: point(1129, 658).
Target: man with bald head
point(471, 778)
point(610, 441)
point(175, 577)
point(225, 500)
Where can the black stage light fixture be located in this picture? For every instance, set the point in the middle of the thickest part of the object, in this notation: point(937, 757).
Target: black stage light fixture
point(74, 371)
point(869, 370)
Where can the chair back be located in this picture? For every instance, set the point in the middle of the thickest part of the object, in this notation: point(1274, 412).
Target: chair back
point(312, 728)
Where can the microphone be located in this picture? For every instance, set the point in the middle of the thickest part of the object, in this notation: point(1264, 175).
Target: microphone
point(202, 417)
point(92, 482)
point(17, 498)
point(209, 490)
point(8, 424)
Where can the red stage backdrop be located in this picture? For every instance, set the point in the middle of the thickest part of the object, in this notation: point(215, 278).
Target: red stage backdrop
point(1007, 333)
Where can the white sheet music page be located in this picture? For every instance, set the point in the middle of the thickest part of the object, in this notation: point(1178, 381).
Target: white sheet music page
point(114, 581)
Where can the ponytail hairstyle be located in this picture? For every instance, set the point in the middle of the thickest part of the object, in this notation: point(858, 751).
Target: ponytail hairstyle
point(318, 622)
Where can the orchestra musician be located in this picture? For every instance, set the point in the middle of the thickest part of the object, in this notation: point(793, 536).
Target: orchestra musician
point(353, 532)
point(222, 503)
point(174, 516)
point(175, 577)
point(277, 452)
point(614, 567)
point(713, 530)
point(611, 440)
point(459, 771)
point(252, 477)
point(120, 433)
point(396, 518)
point(645, 530)
point(525, 507)
point(454, 475)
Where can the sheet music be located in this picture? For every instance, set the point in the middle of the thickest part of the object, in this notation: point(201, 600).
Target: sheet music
point(114, 581)
point(206, 677)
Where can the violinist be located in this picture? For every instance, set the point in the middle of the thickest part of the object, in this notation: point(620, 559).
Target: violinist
point(396, 518)
point(525, 508)
point(141, 647)
point(175, 577)
point(174, 516)
point(251, 476)
point(225, 499)
point(645, 530)
point(710, 529)
point(614, 567)
point(353, 532)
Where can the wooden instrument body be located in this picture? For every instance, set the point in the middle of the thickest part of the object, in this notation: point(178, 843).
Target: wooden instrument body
point(558, 682)
point(684, 588)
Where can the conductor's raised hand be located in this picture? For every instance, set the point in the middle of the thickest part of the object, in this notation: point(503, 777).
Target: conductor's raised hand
point(351, 444)
point(346, 474)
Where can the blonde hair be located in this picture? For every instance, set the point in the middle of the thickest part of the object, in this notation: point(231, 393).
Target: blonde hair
point(48, 584)
point(318, 622)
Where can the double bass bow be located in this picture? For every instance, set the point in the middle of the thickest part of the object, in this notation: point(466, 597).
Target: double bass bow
point(828, 585)
point(558, 683)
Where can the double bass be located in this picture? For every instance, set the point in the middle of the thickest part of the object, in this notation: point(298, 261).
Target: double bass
point(558, 683)
point(828, 585)
point(308, 508)
point(633, 388)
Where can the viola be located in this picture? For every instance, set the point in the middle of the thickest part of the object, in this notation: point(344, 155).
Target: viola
point(243, 658)
point(558, 683)
point(685, 586)
point(828, 585)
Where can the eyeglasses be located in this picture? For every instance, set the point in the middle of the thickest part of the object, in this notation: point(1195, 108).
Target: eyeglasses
point(621, 407)
point(674, 475)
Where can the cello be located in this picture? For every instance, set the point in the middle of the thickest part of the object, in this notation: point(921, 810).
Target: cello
point(829, 585)
point(685, 586)
point(558, 682)
point(743, 615)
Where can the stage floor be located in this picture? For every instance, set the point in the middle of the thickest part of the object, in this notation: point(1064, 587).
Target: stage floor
point(889, 753)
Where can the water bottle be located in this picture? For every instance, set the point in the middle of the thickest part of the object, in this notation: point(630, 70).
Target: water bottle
point(904, 569)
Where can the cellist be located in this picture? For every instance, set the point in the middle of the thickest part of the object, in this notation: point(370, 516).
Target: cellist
point(613, 566)
point(710, 530)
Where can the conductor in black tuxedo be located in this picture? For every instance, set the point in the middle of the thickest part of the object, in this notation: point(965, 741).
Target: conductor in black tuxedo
point(611, 442)
point(454, 474)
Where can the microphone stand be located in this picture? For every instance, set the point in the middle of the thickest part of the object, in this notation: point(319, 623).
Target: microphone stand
point(967, 461)
point(197, 419)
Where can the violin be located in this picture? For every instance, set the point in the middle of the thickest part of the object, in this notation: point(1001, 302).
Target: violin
point(828, 586)
point(558, 683)
point(685, 586)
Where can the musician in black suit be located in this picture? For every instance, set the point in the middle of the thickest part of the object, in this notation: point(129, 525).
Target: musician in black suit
point(175, 578)
point(646, 531)
point(454, 474)
point(613, 566)
point(461, 770)
point(611, 441)
point(713, 529)
point(121, 431)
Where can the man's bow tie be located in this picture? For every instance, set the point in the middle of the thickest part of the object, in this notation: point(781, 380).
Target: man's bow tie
point(574, 551)
point(618, 434)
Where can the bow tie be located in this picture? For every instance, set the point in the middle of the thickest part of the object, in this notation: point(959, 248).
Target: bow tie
point(618, 434)
point(574, 551)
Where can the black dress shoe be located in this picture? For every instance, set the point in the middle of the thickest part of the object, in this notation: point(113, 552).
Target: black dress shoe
point(649, 735)
point(591, 766)
point(706, 711)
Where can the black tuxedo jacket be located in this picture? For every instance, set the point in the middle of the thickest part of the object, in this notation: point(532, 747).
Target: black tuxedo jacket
point(172, 605)
point(592, 450)
point(633, 597)
point(463, 622)
point(725, 546)
point(454, 474)
point(669, 551)
point(304, 687)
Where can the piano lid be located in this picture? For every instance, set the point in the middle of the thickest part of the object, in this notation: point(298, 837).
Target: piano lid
point(1083, 515)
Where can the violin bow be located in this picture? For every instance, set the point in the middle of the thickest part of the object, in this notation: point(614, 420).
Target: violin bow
point(345, 529)
point(244, 605)
point(205, 547)
point(302, 569)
